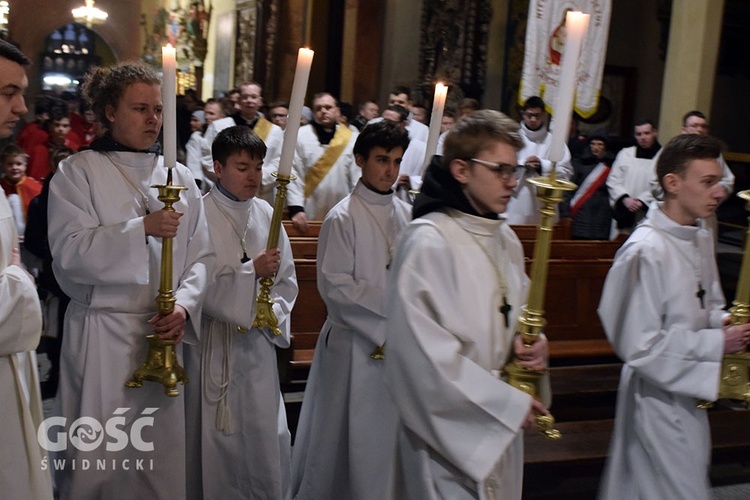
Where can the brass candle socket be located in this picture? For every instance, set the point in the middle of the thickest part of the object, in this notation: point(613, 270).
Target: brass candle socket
point(161, 363)
point(264, 316)
point(550, 191)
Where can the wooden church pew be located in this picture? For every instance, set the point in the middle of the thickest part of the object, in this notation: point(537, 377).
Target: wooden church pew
point(571, 467)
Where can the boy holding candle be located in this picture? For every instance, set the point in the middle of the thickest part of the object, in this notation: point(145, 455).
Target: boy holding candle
point(453, 300)
point(106, 229)
point(662, 310)
point(346, 435)
point(236, 417)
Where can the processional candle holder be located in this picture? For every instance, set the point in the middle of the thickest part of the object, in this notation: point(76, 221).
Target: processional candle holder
point(735, 368)
point(531, 322)
point(264, 316)
point(161, 363)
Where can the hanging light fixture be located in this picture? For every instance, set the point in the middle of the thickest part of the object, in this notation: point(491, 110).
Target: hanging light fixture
point(4, 12)
point(89, 15)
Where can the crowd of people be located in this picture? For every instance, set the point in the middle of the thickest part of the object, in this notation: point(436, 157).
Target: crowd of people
point(406, 396)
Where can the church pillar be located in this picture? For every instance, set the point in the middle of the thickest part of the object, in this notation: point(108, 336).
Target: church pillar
point(694, 33)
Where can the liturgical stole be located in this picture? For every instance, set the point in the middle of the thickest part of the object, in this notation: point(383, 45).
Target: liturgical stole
point(262, 128)
point(327, 159)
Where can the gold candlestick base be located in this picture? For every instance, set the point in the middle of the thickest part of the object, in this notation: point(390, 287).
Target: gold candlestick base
point(160, 366)
point(550, 191)
point(735, 368)
point(264, 316)
point(161, 363)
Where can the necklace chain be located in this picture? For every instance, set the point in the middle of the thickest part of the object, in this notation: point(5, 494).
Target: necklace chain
point(241, 237)
point(504, 308)
point(144, 196)
point(388, 241)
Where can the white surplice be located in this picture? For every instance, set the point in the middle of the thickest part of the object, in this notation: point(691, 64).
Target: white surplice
point(672, 348)
point(194, 149)
point(236, 415)
point(524, 206)
point(22, 474)
point(460, 433)
point(337, 184)
point(110, 269)
point(631, 176)
point(345, 440)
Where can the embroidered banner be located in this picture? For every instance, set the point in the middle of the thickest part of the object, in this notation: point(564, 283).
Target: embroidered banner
point(545, 42)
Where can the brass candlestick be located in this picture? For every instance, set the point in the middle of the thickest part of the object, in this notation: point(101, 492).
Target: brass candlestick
point(161, 363)
point(265, 317)
point(550, 191)
point(735, 368)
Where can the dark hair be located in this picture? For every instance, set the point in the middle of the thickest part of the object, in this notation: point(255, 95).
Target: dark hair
point(12, 53)
point(683, 149)
point(12, 149)
point(57, 155)
point(471, 135)
point(42, 104)
point(278, 104)
point(235, 140)
point(690, 114)
point(347, 111)
point(58, 110)
point(644, 121)
point(385, 134)
point(403, 113)
point(533, 102)
point(365, 103)
point(106, 86)
point(400, 89)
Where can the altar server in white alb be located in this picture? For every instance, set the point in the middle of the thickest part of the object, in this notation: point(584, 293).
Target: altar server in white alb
point(21, 471)
point(524, 205)
point(105, 232)
point(323, 163)
point(662, 310)
point(238, 440)
point(346, 436)
point(454, 296)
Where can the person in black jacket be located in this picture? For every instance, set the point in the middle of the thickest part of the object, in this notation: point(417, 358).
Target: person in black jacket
point(36, 242)
point(589, 205)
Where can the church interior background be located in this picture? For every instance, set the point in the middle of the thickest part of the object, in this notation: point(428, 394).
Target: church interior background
point(663, 57)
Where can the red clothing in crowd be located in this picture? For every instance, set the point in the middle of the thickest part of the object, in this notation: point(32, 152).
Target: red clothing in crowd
point(32, 135)
point(39, 158)
point(27, 189)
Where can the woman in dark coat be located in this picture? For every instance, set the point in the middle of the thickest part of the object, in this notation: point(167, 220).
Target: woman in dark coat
point(589, 206)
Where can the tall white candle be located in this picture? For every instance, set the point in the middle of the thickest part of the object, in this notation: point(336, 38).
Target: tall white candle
point(575, 28)
point(296, 102)
point(169, 100)
point(438, 106)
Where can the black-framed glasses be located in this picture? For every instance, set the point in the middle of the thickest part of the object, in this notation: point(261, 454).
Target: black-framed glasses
point(504, 170)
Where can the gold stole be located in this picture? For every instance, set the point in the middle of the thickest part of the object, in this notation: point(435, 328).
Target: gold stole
point(262, 128)
point(327, 159)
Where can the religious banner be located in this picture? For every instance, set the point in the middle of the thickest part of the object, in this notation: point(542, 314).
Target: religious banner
point(545, 43)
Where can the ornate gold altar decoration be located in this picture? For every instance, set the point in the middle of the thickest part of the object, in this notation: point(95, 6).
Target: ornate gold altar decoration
point(550, 191)
point(735, 368)
point(161, 363)
point(265, 317)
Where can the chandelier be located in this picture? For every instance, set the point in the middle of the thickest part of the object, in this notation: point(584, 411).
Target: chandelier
point(89, 15)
